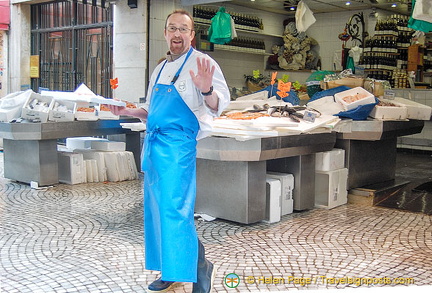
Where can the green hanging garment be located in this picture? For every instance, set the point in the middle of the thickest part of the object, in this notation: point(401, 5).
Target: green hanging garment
point(417, 24)
point(220, 28)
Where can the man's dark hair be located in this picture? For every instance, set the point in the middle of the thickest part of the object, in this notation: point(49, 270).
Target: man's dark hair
point(184, 12)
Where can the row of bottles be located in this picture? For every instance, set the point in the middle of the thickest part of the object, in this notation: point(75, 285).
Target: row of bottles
point(404, 39)
point(380, 61)
point(386, 27)
point(247, 43)
point(381, 44)
point(205, 12)
point(397, 78)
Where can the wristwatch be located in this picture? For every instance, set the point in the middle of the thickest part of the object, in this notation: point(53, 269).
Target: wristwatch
point(209, 92)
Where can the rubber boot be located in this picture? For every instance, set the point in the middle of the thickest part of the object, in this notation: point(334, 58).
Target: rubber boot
point(205, 272)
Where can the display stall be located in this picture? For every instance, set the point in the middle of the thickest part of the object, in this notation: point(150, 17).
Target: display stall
point(30, 149)
point(231, 173)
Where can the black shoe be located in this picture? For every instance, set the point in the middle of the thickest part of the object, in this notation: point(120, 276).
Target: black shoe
point(161, 286)
point(206, 273)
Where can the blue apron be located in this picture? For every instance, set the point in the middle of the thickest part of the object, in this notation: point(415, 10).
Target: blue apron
point(169, 163)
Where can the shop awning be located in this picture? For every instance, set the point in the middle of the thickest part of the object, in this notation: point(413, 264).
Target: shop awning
point(4, 15)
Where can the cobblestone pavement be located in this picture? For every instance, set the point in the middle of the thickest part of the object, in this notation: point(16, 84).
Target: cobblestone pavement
point(89, 238)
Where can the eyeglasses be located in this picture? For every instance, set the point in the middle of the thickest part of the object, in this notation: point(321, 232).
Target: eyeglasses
point(172, 29)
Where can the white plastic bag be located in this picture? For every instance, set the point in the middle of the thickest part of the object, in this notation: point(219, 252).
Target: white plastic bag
point(304, 17)
point(11, 105)
point(423, 10)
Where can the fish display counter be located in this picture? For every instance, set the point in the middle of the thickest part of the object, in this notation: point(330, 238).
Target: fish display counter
point(231, 171)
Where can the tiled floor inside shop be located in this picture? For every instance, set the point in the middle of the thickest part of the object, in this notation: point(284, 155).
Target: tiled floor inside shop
point(89, 238)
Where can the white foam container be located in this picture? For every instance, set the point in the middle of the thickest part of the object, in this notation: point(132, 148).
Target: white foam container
point(331, 188)
point(60, 115)
point(415, 110)
point(85, 116)
point(108, 145)
point(73, 143)
point(32, 114)
point(287, 187)
point(367, 98)
point(71, 168)
point(273, 195)
point(397, 112)
point(330, 160)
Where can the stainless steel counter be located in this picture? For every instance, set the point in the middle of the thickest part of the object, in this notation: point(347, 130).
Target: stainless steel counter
point(30, 149)
point(231, 174)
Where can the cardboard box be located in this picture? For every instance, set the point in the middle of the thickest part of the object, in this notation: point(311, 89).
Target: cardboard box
point(37, 107)
point(330, 160)
point(331, 188)
point(396, 112)
point(273, 196)
point(62, 111)
point(376, 87)
point(355, 97)
point(287, 187)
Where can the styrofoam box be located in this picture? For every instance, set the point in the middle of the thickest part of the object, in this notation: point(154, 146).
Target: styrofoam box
point(108, 145)
point(82, 142)
point(364, 98)
point(32, 114)
point(100, 166)
point(330, 160)
point(331, 188)
point(55, 115)
point(85, 116)
point(397, 112)
point(105, 115)
point(273, 196)
point(415, 110)
point(287, 187)
point(71, 168)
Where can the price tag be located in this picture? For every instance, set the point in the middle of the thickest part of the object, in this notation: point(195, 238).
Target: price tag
point(389, 94)
point(309, 116)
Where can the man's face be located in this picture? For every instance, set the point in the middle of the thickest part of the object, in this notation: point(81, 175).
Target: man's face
point(177, 41)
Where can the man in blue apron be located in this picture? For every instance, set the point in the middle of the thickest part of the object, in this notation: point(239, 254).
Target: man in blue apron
point(185, 92)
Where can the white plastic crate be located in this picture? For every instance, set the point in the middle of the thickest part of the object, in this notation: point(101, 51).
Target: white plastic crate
point(287, 187)
point(273, 197)
point(331, 188)
point(330, 160)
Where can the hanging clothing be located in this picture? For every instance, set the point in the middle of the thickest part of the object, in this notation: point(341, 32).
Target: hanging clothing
point(169, 163)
